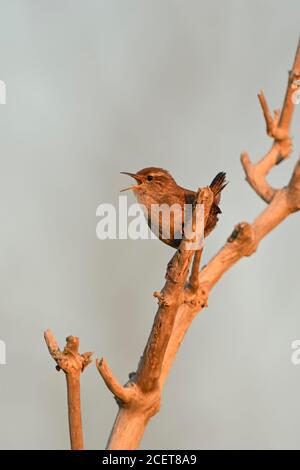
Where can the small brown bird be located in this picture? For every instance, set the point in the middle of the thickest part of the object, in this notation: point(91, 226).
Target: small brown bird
point(156, 187)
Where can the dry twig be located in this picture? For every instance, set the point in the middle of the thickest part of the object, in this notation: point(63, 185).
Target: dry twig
point(72, 363)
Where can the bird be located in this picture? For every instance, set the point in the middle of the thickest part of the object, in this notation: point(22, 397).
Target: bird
point(156, 188)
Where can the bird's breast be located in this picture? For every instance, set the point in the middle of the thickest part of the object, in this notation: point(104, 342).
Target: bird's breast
point(164, 218)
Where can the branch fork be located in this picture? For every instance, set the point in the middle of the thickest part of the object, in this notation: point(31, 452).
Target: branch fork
point(278, 127)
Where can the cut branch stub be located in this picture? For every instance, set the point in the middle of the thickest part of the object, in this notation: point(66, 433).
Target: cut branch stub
point(122, 394)
point(243, 238)
point(271, 122)
point(69, 360)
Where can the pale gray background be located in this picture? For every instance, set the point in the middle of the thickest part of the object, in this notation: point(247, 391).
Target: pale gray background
point(97, 87)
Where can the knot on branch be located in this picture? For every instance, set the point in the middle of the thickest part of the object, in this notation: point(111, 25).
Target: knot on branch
point(69, 360)
point(203, 293)
point(165, 299)
point(197, 298)
point(161, 298)
point(243, 238)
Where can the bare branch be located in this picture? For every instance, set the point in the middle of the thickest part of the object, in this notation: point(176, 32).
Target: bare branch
point(72, 363)
point(179, 304)
point(278, 128)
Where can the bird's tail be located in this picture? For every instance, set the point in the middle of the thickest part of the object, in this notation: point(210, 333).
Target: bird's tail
point(218, 183)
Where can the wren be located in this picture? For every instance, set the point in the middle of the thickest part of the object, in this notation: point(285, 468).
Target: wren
point(156, 187)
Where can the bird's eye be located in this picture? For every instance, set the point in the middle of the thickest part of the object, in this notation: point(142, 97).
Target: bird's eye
point(149, 178)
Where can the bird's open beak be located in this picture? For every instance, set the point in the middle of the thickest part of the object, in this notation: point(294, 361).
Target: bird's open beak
point(137, 178)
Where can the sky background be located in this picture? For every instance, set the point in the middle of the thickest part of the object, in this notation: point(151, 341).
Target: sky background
point(99, 87)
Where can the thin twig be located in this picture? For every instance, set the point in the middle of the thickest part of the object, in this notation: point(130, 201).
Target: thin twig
point(121, 393)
